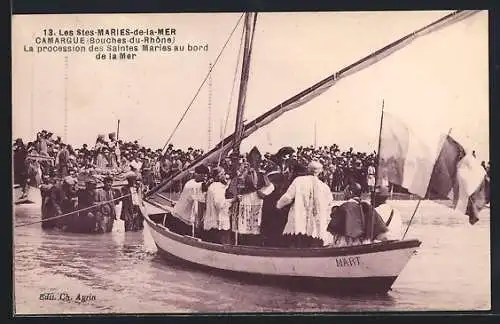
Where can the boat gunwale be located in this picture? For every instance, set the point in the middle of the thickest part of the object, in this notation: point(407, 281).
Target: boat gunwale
point(260, 251)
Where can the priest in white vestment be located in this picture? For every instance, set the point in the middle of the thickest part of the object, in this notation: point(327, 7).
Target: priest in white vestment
point(189, 207)
point(217, 220)
point(311, 201)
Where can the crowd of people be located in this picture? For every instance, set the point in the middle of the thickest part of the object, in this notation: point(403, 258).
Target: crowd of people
point(280, 199)
point(111, 156)
point(114, 156)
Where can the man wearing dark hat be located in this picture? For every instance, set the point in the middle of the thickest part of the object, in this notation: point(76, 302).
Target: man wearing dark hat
point(85, 221)
point(274, 219)
point(189, 209)
point(355, 221)
point(68, 193)
point(63, 161)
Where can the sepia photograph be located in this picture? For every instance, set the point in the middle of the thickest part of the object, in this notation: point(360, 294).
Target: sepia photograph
point(250, 162)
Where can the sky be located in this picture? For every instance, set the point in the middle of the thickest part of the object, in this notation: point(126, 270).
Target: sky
point(438, 82)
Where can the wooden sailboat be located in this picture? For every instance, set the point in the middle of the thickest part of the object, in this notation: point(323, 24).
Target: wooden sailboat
point(369, 268)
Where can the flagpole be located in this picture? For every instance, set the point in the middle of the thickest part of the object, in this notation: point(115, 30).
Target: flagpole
point(418, 204)
point(413, 215)
point(376, 171)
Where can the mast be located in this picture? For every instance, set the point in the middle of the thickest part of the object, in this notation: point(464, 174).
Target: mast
point(239, 127)
point(372, 194)
point(318, 89)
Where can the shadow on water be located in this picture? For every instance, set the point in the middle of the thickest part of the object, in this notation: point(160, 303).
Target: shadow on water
point(221, 293)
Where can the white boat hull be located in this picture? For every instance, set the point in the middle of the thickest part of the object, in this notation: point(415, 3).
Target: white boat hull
point(365, 268)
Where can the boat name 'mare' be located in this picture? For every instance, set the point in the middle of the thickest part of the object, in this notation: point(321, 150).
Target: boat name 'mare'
point(347, 261)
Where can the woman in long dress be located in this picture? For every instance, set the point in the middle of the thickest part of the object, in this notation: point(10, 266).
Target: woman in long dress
point(114, 149)
point(100, 161)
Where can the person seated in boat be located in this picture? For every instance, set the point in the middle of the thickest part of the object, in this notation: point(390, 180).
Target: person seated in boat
point(311, 201)
point(105, 213)
point(351, 222)
point(274, 219)
point(131, 213)
point(252, 189)
point(389, 214)
point(189, 209)
point(216, 221)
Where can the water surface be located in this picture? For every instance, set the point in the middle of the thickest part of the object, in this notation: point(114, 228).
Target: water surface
point(122, 273)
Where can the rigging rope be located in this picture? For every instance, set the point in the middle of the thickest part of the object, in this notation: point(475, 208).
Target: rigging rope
point(320, 87)
point(74, 212)
point(203, 83)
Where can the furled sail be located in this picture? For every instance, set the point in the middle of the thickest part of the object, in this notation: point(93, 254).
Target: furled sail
point(314, 91)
